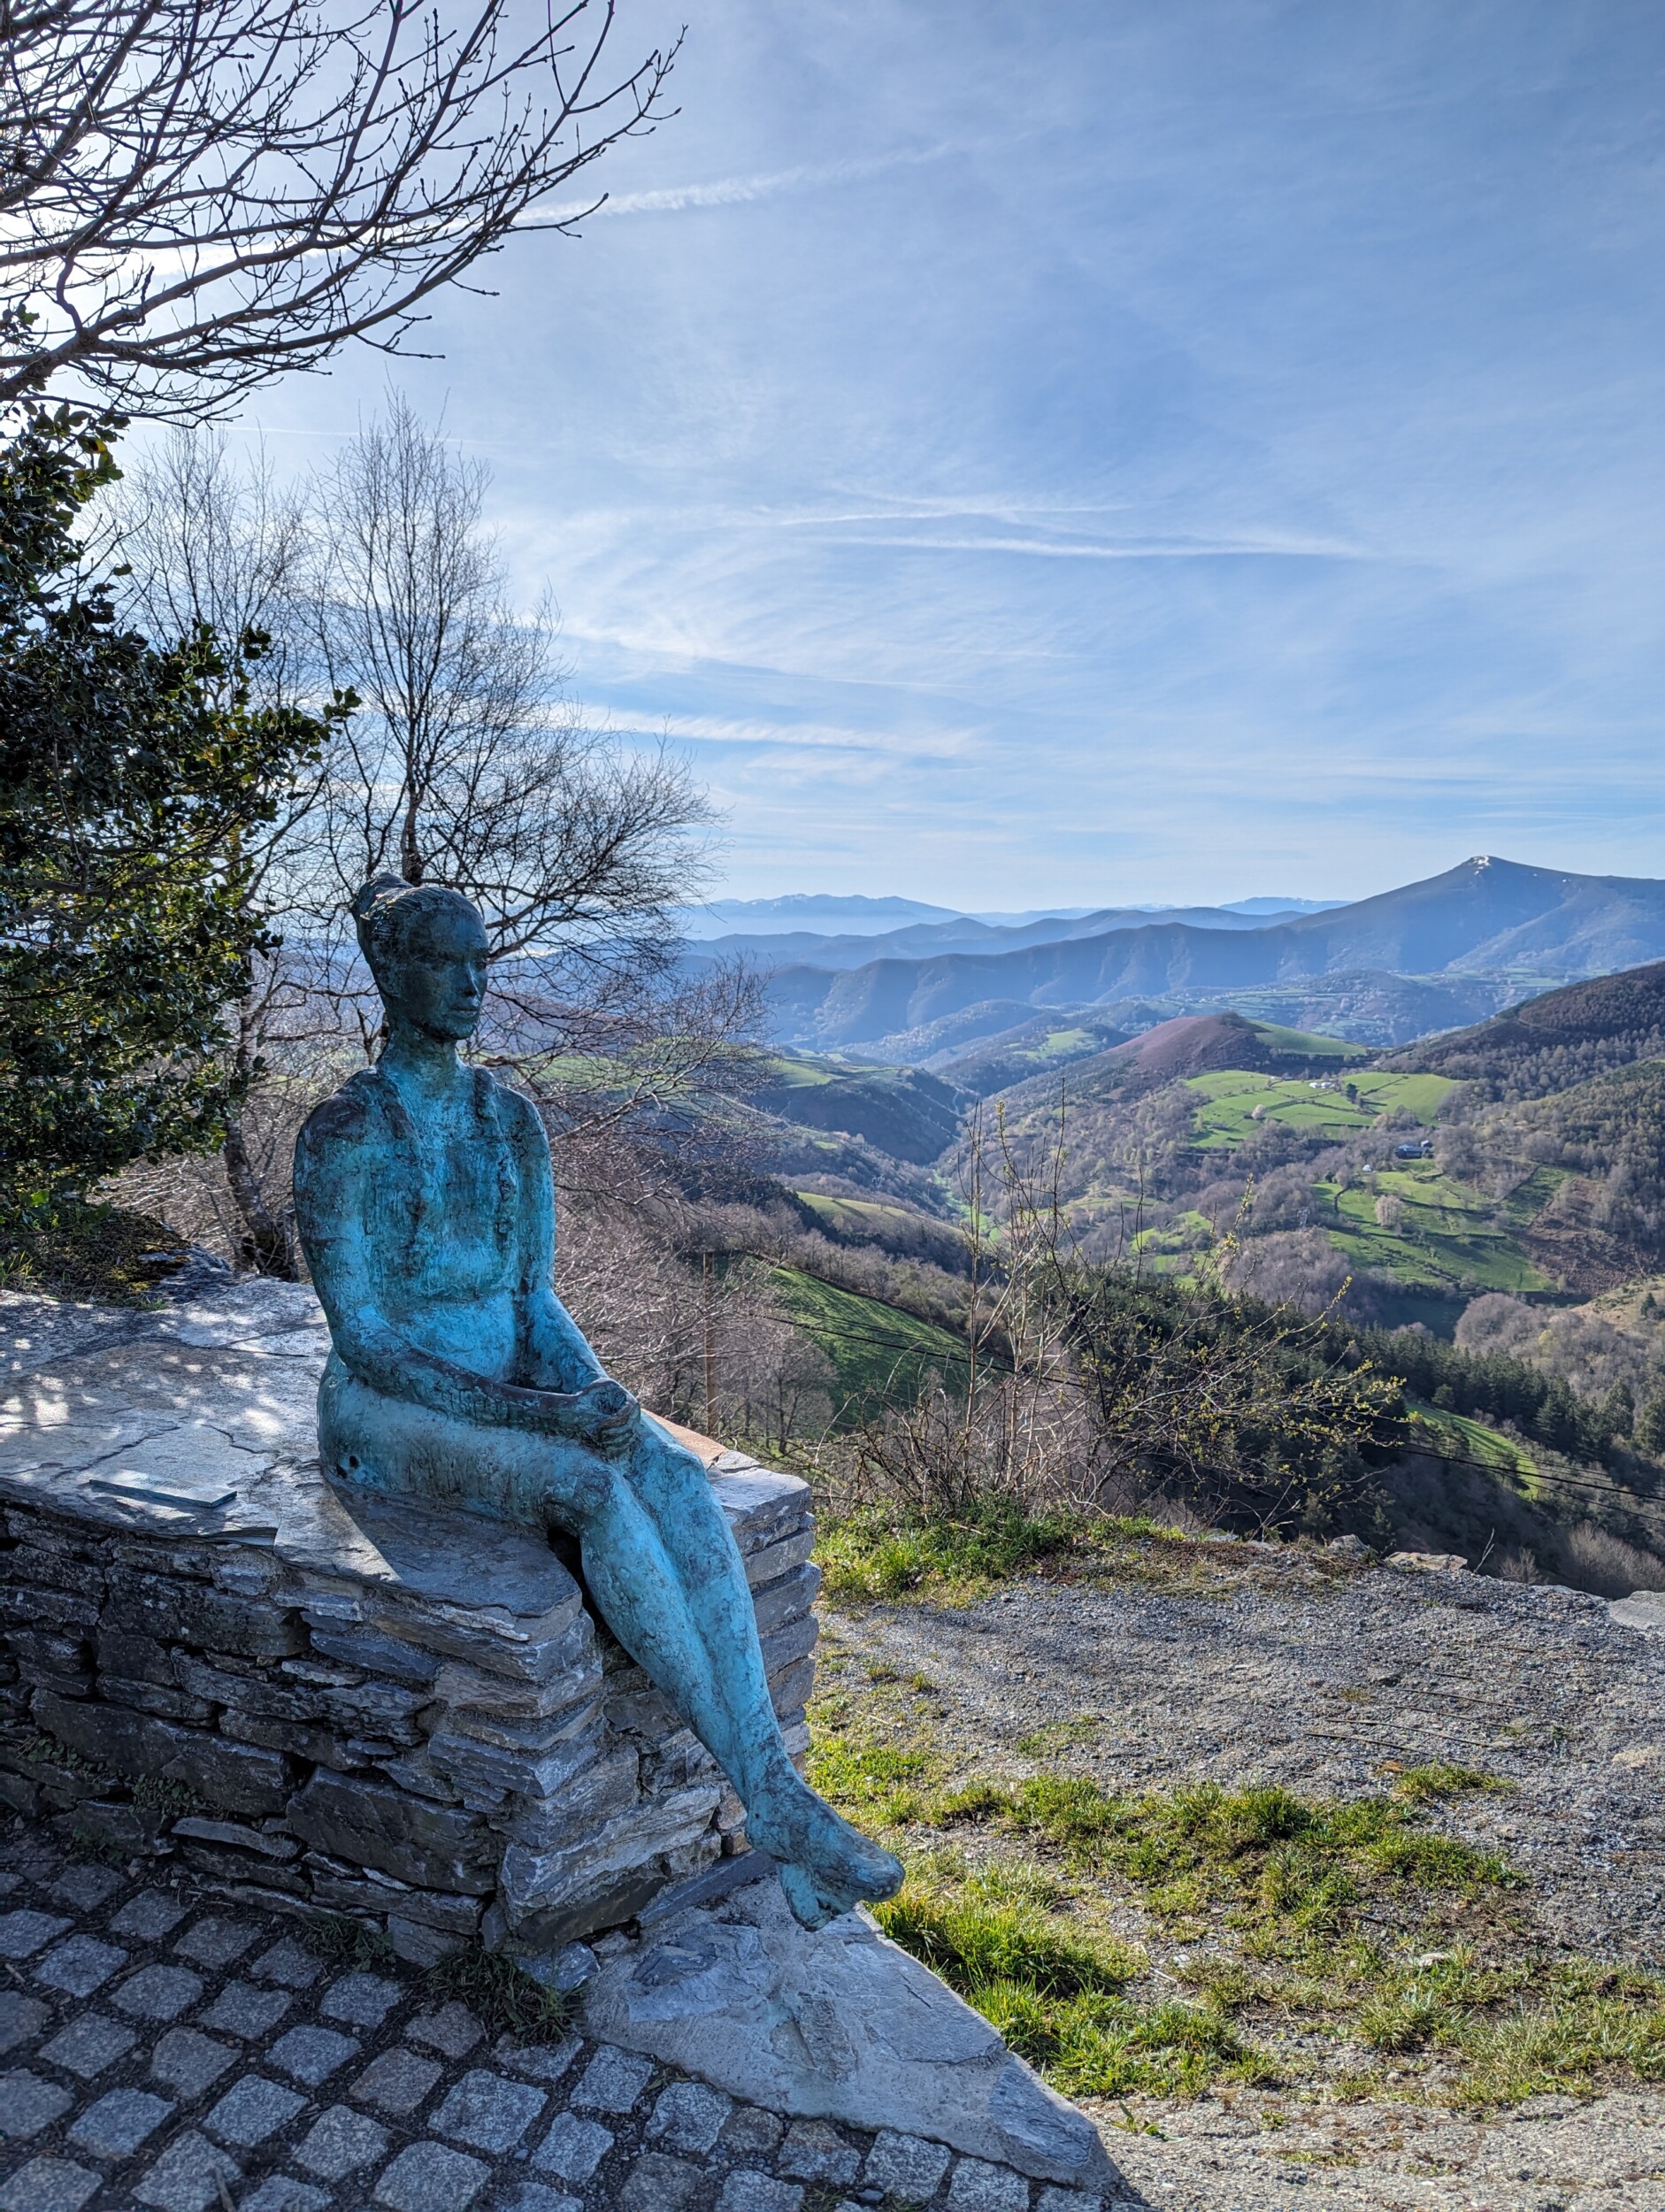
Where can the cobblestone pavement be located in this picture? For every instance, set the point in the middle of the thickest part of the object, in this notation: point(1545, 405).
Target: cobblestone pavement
point(161, 2049)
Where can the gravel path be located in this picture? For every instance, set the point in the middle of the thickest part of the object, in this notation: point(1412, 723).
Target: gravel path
point(1276, 1666)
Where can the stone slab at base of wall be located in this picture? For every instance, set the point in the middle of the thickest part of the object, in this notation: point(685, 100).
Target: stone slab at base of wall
point(838, 2024)
point(317, 1697)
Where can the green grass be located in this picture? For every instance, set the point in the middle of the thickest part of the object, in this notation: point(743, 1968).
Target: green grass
point(1461, 1437)
point(858, 1217)
point(883, 1552)
point(1280, 1938)
point(501, 1994)
point(879, 1353)
point(1232, 1102)
point(1448, 1235)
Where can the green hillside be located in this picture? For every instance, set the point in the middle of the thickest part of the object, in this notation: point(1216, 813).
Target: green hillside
point(879, 1354)
point(1447, 1238)
point(904, 1111)
point(1236, 1099)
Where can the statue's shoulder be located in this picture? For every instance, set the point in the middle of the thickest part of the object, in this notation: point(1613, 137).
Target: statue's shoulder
point(517, 1116)
point(348, 1116)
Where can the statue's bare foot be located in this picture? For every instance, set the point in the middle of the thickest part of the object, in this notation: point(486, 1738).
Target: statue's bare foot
point(827, 1866)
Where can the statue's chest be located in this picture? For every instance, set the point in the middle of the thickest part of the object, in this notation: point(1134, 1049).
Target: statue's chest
point(453, 1204)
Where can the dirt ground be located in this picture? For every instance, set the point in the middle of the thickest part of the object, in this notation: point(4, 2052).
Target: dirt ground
point(1275, 1668)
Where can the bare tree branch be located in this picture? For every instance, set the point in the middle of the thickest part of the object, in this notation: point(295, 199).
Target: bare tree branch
point(198, 195)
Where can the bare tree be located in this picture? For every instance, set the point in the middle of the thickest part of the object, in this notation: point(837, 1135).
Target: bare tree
point(209, 543)
point(198, 195)
point(469, 766)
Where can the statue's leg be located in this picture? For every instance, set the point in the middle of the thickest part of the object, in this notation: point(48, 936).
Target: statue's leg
point(826, 1864)
point(664, 1569)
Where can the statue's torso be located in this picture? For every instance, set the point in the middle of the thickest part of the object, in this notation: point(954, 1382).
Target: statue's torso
point(441, 1216)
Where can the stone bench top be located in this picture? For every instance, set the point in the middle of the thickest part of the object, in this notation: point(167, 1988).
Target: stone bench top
point(195, 1426)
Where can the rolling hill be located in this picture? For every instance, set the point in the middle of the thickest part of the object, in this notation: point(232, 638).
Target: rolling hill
point(1563, 1038)
point(903, 1112)
point(1492, 917)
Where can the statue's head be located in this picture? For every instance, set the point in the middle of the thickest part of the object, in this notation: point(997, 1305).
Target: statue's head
point(426, 949)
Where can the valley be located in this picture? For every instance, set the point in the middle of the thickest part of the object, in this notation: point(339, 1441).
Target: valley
point(1493, 1187)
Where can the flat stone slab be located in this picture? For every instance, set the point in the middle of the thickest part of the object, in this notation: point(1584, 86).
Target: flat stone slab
point(1642, 1609)
point(837, 2025)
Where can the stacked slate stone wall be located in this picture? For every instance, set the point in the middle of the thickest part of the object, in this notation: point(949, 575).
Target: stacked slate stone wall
point(366, 1709)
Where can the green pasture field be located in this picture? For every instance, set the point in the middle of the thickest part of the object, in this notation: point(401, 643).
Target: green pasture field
point(1228, 1100)
point(1449, 1234)
point(1464, 1438)
point(854, 1216)
point(879, 1354)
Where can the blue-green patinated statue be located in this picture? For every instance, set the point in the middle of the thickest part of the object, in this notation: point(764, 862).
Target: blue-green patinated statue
point(427, 1211)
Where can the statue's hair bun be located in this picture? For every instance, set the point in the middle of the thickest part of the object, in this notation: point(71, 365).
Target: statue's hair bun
point(370, 909)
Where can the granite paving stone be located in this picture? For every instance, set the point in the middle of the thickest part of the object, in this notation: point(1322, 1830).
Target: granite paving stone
point(364, 2000)
point(242, 2009)
point(20, 2017)
point(1069, 2201)
point(148, 1916)
point(488, 2113)
point(688, 2116)
point(338, 2142)
point(532, 2196)
point(746, 2192)
point(905, 2165)
point(657, 2184)
point(572, 2149)
point(428, 2177)
point(287, 1963)
point(976, 2187)
point(312, 2054)
point(751, 2132)
point(453, 2030)
point(89, 2044)
point(187, 2176)
point(189, 2062)
point(48, 2184)
point(27, 2104)
point(118, 2123)
point(252, 2109)
point(159, 1993)
point(80, 1966)
point(544, 2061)
point(24, 1932)
point(813, 2151)
point(216, 1942)
point(396, 2082)
point(86, 1887)
point(281, 2193)
point(613, 2080)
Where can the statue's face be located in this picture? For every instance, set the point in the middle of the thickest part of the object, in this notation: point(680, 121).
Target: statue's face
point(436, 981)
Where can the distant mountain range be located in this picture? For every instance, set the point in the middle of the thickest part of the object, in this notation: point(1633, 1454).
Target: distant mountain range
point(806, 922)
point(1515, 927)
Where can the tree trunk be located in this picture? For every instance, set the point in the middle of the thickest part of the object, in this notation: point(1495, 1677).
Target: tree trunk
point(267, 1245)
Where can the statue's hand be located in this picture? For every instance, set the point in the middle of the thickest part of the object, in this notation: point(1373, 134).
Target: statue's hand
point(603, 1414)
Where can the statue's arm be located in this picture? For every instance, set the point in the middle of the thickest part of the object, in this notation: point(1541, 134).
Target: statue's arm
point(332, 1159)
point(558, 1356)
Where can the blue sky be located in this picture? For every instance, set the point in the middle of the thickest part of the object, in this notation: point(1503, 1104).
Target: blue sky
point(1165, 450)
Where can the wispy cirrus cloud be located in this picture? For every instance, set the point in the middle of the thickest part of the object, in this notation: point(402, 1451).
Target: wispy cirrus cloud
point(739, 191)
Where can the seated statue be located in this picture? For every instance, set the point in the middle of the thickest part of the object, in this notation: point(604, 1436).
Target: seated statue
point(427, 1211)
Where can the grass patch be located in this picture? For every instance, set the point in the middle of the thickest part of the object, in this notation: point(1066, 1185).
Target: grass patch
point(501, 1994)
point(341, 1941)
point(1280, 1936)
point(887, 1553)
point(881, 1552)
